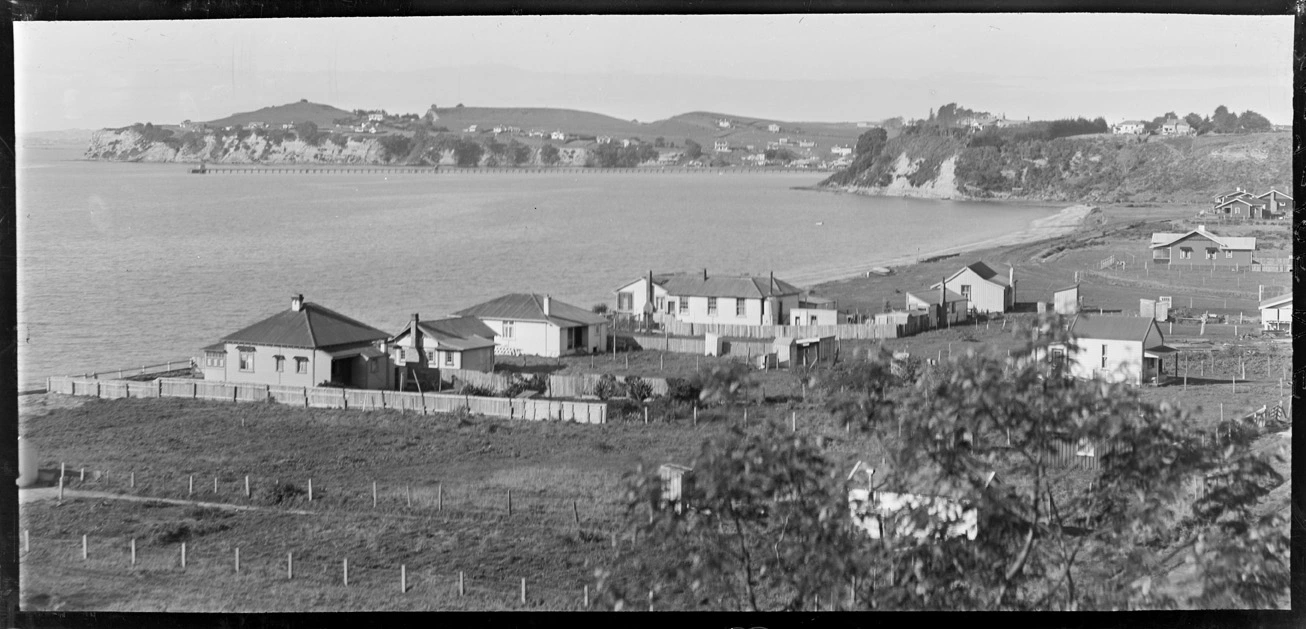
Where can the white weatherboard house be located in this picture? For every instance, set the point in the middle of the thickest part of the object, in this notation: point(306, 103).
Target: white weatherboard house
point(527, 323)
point(694, 298)
point(983, 287)
point(306, 345)
point(1116, 349)
point(1276, 313)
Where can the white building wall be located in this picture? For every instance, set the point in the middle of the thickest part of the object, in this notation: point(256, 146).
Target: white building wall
point(536, 338)
point(1124, 362)
point(985, 296)
point(265, 371)
point(639, 296)
point(803, 316)
point(1273, 318)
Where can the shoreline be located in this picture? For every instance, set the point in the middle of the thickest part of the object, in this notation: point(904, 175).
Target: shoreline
point(1064, 222)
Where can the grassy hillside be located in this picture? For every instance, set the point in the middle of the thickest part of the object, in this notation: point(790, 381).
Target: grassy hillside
point(303, 111)
point(1097, 167)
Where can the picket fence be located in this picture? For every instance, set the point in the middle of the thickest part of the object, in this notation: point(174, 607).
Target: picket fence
point(330, 397)
point(841, 331)
point(560, 386)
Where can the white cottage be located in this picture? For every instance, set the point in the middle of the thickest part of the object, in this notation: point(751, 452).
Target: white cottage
point(1117, 349)
point(694, 298)
point(527, 323)
point(983, 287)
point(1276, 313)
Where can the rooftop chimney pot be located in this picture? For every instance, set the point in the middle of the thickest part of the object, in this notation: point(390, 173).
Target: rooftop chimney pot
point(297, 302)
point(704, 275)
point(546, 301)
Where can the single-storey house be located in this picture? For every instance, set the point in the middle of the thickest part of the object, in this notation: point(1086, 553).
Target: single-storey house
point(307, 345)
point(1232, 194)
point(1276, 313)
point(983, 287)
point(1201, 246)
point(773, 128)
point(1276, 203)
point(1132, 127)
point(1117, 349)
point(721, 146)
point(1244, 207)
point(527, 323)
point(694, 298)
point(1066, 300)
point(452, 343)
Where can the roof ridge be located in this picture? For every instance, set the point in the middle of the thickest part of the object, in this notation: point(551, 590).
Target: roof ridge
point(308, 323)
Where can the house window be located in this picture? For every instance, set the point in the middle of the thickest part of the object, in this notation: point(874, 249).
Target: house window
point(1212, 253)
point(625, 302)
point(215, 359)
point(1228, 254)
point(1185, 253)
point(1058, 356)
point(246, 360)
point(965, 292)
point(448, 359)
point(711, 305)
point(739, 307)
point(671, 306)
point(281, 363)
point(657, 303)
point(507, 329)
point(301, 364)
point(399, 354)
point(813, 319)
point(1104, 355)
point(430, 356)
point(684, 305)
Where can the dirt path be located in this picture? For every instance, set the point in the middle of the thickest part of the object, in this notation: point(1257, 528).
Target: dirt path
point(52, 493)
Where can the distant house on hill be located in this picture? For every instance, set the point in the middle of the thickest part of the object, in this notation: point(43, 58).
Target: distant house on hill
point(842, 151)
point(723, 123)
point(1244, 208)
point(306, 345)
point(470, 129)
point(695, 298)
point(1276, 203)
point(1116, 349)
point(1276, 313)
point(558, 135)
point(1130, 127)
point(376, 117)
point(1201, 246)
point(424, 347)
point(773, 128)
point(807, 144)
point(721, 146)
point(1175, 126)
point(527, 323)
point(983, 287)
point(604, 139)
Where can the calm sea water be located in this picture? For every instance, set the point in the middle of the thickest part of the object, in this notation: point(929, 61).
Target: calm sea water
point(127, 264)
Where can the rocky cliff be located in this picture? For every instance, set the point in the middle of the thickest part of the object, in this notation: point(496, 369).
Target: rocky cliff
point(135, 144)
point(1092, 168)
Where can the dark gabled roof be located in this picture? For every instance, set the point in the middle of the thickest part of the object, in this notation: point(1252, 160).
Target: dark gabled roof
point(985, 273)
point(1248, 200)
point(1112, 328)
point(746, 287)
point(530, 307)
point(216, 347)
point(313, 327)
point(458, 333)
point(1062, 290)
point(1274, 191)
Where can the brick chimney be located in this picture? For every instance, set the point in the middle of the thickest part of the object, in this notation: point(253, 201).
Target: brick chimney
point(546, 301)
point(416, 334)
point(297, 303)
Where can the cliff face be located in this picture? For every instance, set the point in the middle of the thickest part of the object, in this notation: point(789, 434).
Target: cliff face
point(1095, 168)
point(133, 145)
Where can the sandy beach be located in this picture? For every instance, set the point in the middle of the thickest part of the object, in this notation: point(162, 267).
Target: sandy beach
point(1063, 222)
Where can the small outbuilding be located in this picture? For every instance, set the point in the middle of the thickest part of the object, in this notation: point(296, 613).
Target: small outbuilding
point(1066, 301)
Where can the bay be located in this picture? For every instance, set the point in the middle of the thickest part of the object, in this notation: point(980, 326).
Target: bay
point(124, 264)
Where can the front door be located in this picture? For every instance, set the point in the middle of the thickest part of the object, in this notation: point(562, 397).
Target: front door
point(342, 371)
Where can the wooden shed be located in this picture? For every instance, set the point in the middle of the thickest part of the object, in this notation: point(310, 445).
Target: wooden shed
point(674, 479)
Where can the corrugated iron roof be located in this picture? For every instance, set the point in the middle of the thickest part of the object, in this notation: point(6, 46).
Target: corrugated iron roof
point(1239, 243)
point(530, 307)
point(984, 271)
point(216, 347)
point(1274, 191)
point(459, 333)
point(313, 327)
point(1277, 301)
point(933, 296)
point(737, 286)
point(1113, 328)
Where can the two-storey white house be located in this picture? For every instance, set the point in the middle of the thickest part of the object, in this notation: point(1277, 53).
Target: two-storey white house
point(307, 345)
point(983, 287)
point(1276, 313)
point(1116, 349)
point(527, 323)
point(695, 298)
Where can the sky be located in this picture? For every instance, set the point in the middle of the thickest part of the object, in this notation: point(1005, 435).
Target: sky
point(87, 75)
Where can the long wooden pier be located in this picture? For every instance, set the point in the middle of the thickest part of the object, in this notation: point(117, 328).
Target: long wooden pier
point(427, 170)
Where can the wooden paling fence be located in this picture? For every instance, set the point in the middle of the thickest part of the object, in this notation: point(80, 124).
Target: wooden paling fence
point(843, 331)
point(559, 385)
point(667, 344)
point(331, 397)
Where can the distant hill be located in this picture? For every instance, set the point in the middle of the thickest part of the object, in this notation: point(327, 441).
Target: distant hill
point(302, 111)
